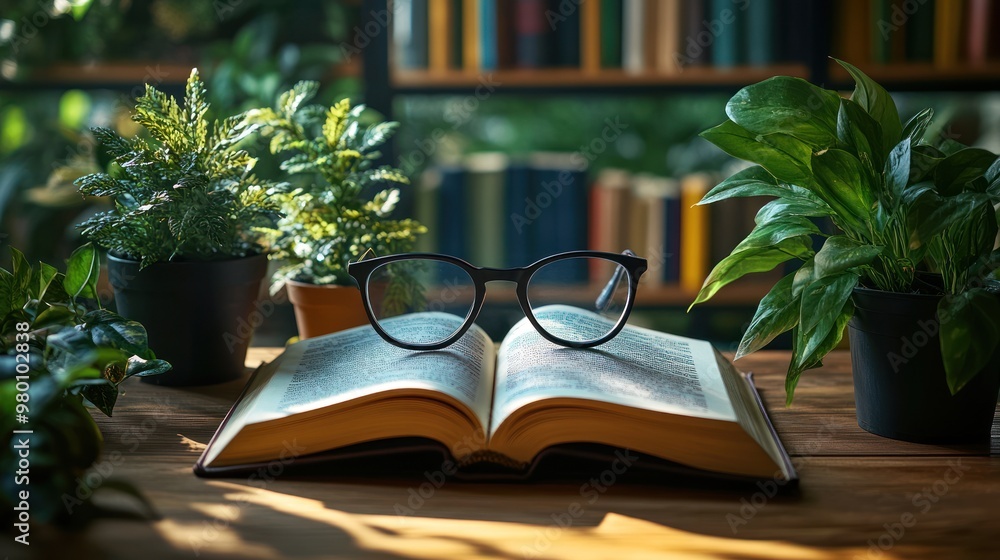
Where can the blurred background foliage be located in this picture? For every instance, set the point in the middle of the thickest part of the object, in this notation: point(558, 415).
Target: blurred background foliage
point(249, 50)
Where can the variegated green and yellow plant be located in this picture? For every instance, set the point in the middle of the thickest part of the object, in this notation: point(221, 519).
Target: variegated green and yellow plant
point(901, 204)
point(330, 219)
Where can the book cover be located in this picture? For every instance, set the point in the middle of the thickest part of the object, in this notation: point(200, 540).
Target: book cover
point(611, 33)
point(759, 36)
point(486, 175)
point(695, 232)
point(727, 48)
point(452, 208)
point(441, 39)
point(520, 219)
point(634, 36)
point(563, 21)
point(947, 32)
point(488, 34)
point(559, 190)
point(609, 197)
point(531, 46)
point(672, 232)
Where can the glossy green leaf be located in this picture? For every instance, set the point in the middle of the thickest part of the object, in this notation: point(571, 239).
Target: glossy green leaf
point(800, 361)
point(953, 173)
point(752, 181)
point(129, 336)
point(821, 301)
point(774, 232)
point(22, 274)
point(82, 272)
point(842, 182)
point(143, 368)
point(917, 126)
point(784, 208)
point(874, 99)
point(790, 106)
point(103, 395)
point(859, 132)
point(56, 314)
point(970, 334)
point(777, 312)
point(785, 165)
point(760, 259)
point(923, 160)
point(840, 253)
point(897, 170)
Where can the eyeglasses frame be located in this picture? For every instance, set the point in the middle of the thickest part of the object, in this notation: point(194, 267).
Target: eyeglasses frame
point(635, 266)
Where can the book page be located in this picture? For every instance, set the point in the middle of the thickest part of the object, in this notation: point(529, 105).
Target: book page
point(336, 368)
point(639, 368)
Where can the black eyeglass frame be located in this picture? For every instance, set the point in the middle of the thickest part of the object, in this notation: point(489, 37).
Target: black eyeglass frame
point(635, 266)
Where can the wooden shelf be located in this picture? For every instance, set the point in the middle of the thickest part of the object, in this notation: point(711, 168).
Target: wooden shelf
point(408, 81)
point(927, 76)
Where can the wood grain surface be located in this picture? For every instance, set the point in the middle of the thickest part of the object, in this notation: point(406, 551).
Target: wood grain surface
point(860, 496)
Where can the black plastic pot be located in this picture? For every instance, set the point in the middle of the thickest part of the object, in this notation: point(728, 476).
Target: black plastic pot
point(899, 381)
point(197, 314)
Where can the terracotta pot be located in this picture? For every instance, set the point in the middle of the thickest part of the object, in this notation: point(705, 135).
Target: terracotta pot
point(322, 310)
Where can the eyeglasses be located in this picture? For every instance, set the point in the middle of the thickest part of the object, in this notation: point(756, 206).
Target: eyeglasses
point(399, 285)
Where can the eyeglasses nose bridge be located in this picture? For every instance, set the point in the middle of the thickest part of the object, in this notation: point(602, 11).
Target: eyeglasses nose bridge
point(501, 274)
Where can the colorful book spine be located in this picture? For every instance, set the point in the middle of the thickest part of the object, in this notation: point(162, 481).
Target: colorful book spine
point(409, 31)
point(559, 190)
point(425, 209)
point(457, 34)
point(608, 200)
point(947, 31)
point(634, 36)
point(471, 44)
point(485, 183)
point(671, 232)
point(611, 33)
point(978, 25)
point(725, 21)
point(441, 39)
point(530, 26)
point(696, 48)
point(695, 232)
point(488, 34)
point(759, 36)
point(668, 36)
point(590, 37)
point(519, 227)
point(452, 212)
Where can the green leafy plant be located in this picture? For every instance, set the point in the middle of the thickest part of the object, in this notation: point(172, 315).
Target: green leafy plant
point(59, 351)
point(329, 221)
point(187, 193)
point(901, 205)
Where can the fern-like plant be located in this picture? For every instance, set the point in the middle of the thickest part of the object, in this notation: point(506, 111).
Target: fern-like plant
point(329, 221)
point(185, 193)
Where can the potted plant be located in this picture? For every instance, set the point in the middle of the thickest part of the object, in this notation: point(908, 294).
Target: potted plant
point(184, 238)
point(59, 351)
point(909, 269)
point(330, 219)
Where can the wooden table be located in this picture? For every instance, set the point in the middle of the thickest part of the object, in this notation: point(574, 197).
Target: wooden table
point(861, 496)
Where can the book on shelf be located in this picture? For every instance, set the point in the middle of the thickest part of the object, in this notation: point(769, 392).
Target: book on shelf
point(485, 183)
point(947, 32)
point(663, 402)
point(531, 46)
point(441, 43)
point(978, 19)
point(562, 21)
point(920, 34)
point(409, 33)
point(634, 36)
point(726, 22)
point(759, 36)
point(611, 34)
point(695, 231)
point(881, 30)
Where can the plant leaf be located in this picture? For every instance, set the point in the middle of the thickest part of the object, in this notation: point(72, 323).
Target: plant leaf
point(970, 333)
point(102, 395)
point(143, 368)
point(784, 164)
point(752, 181)
point(897, 170)
point(842, 182)
point(82, 272)
point(874, 99)
point(777, 312)
point(917, 126)
point(789, 106)
point(859, 131)
point(953, 172)
point(801, 361)
point(760, 259)
point(840, 253)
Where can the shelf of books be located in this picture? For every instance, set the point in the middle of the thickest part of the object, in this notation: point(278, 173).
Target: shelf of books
point(450, 44)
point(920, 44)
point(496, 210)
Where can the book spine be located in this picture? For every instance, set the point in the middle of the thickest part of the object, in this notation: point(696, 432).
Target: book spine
point(488, 34)
point(759, 36)
point(519, 228)
point(672, 234)
point(561, 197)
point(880, 30)
point(633, 36)
point(451, 215)
point(947, 29)
point(439, 47)
point(471, 55)
point(426, 209)
point(563, 21)
point(457, 34)
point(409, 36)
point(530, 25)
point(668, 36)
point(726, 48)
point(590, 36)
point(978, 30)
point(920, 33)
point(696, 46)
point(611, 33)
point(695, 233)
point(485, 193)
point(506, 35)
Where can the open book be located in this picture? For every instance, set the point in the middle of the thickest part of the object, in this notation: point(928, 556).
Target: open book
point(664, 396)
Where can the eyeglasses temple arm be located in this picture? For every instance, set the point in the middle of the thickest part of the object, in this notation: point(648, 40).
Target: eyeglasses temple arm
point(604, 298)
